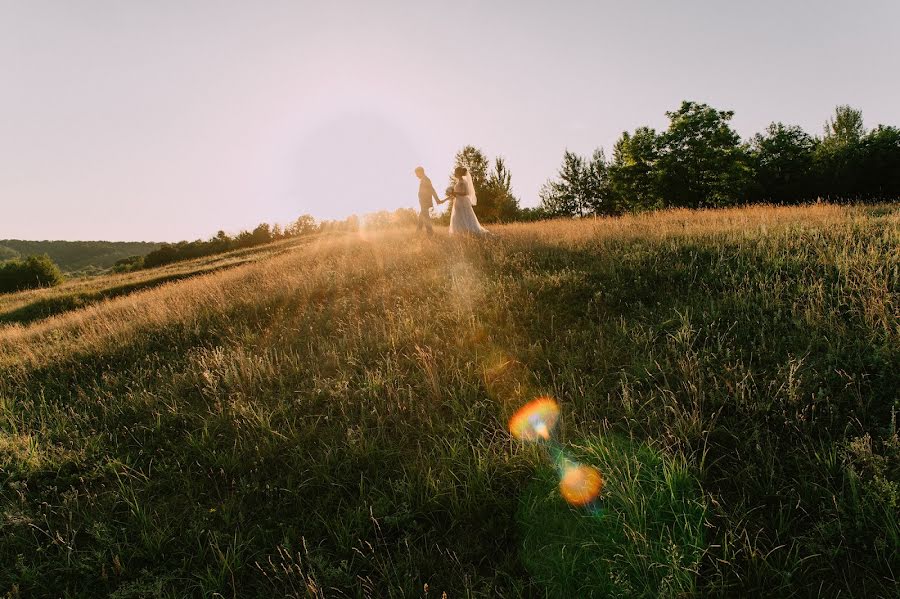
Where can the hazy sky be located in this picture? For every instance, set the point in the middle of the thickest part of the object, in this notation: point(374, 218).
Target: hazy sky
point(171, 119)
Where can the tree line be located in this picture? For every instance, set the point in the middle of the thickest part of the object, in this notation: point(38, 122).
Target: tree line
point(40, 270)
point(76, 257)
point(221, 242)
point(699, 161)
point(262, 234)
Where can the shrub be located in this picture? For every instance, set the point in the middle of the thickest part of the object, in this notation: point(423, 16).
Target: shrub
point(128, 264)
point(30, 273)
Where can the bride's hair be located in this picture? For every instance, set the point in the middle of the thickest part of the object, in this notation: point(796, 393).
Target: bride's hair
point(460, 171)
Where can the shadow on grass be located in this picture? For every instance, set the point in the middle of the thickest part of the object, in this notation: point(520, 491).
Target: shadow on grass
point(758, 362)
point(53, 306)
point(645, 538)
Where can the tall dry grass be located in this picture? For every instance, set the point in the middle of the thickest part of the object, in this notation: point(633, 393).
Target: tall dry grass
point(330, 421)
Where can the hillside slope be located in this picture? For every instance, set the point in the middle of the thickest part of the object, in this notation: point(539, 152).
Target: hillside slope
point(331, 420)
point(76, 256)
point(35, 304)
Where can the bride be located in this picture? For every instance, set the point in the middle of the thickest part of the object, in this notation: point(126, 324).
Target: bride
point(462, 217)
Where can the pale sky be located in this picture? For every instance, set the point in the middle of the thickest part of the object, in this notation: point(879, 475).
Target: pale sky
point(171, 119)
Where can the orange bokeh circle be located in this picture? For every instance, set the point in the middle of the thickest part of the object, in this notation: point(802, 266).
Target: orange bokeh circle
point(580, 485)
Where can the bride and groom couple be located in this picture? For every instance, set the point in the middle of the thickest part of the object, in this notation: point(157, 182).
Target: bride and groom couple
point(462, 195)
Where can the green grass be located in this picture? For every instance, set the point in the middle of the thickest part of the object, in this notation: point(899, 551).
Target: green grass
point(645, 538)
point(330, 420)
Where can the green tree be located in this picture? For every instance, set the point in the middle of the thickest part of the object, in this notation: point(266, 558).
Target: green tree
point(881, 163)
point(783, 160)
point(582, 187)
point(633, 178)
point(501, 202)
point(477, 164)
point(262, 234)
point(701, 161)
point(7, 253)
point(598, 190)
point(304, 225)
point(839, 158)
point(845, 127)
point(220, 243)
point(128, 264)
point(493, 185)
point(164, 255)
point(565, 196)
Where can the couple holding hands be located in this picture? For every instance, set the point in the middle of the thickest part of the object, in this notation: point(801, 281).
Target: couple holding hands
point(462, 194)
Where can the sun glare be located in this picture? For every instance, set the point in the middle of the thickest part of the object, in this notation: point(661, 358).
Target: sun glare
point(357, 163)
point(535, 420)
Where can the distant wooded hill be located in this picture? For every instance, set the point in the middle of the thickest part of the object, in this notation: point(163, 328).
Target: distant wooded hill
point(77, 256)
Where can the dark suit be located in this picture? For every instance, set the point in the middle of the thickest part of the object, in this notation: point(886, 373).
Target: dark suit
point(426, 193)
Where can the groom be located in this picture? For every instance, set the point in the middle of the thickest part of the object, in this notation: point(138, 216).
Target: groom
point(426, 193)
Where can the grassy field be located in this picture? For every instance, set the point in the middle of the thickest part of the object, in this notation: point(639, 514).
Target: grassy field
point(329, 419)
point(37, 304)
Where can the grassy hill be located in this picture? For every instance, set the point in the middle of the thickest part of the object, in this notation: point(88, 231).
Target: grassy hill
point(77, 256)
point(35, 304)
point(327, 417)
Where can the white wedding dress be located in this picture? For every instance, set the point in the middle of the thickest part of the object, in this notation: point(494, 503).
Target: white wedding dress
point(462, 217)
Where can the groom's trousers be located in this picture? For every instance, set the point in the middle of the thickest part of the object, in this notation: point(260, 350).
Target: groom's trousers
point(424, 219)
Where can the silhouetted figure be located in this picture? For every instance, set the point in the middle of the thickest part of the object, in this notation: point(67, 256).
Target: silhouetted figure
point(426, 195)
point(462, 217)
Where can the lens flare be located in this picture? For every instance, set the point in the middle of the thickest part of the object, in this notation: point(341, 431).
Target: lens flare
point(535, 419)
point(580, 485)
